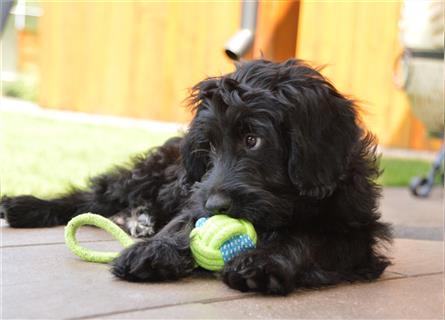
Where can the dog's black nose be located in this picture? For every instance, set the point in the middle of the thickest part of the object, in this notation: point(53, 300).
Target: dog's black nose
point(218, 203)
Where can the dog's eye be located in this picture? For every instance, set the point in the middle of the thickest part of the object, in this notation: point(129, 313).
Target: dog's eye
point(252, 142)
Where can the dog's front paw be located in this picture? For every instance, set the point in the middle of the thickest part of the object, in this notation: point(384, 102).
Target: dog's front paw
point(254, 271)
point(153, 260)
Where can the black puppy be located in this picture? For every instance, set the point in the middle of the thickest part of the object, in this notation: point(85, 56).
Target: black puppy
point(273, 143)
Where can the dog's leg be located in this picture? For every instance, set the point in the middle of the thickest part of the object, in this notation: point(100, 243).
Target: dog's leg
point(280, 263)
point(31, 212)
point(270, 268)
point(108, 194)
point(165, 256)
point(276, 272)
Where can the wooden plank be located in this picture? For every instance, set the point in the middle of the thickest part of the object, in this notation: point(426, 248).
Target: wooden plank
point(277, 23)
point(94, 37)
point(136, 59)
point(359, 42)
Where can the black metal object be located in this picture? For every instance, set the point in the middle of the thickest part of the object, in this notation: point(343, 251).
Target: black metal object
point(422, 186)
point(427, 54)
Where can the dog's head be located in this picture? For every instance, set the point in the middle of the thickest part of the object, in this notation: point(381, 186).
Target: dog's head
point(265, 136)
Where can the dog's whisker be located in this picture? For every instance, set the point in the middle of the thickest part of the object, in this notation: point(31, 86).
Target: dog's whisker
point(200, 150)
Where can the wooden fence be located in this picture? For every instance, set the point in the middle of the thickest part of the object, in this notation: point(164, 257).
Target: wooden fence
point(138, 59)
point(358, 41)
point(135, 59)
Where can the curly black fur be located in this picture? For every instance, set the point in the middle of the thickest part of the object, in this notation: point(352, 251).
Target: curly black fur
point(273, 143)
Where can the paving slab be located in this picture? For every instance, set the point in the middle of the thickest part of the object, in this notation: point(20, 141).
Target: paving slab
point(79, 298)
point(413, 217)
point(416, 257)
point(399, 207)
point(187, 311)
point(50, 276)
point(38, 236)
point(406, 298)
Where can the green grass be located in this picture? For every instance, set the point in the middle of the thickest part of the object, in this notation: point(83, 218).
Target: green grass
point(25, 88)
point(399, 172)
point(43, 156)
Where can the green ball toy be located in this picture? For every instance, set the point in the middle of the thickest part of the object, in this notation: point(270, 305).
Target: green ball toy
point(218, 239)
point(213, 242)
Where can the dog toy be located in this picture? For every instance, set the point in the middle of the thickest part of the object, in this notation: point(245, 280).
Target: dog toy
point(213, 242)
point(216, 240)
point(98, 221)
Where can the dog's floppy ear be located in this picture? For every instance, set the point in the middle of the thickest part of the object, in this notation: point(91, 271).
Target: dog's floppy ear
point(195, 146)
point(322, 127)
point(194, 152)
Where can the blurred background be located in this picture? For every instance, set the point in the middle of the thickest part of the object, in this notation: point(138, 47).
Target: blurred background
point(138, 59)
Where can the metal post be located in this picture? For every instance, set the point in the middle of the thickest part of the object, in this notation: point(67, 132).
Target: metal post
point(241, 41)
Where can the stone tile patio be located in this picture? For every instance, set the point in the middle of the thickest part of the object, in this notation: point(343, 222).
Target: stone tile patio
point(42, 279)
